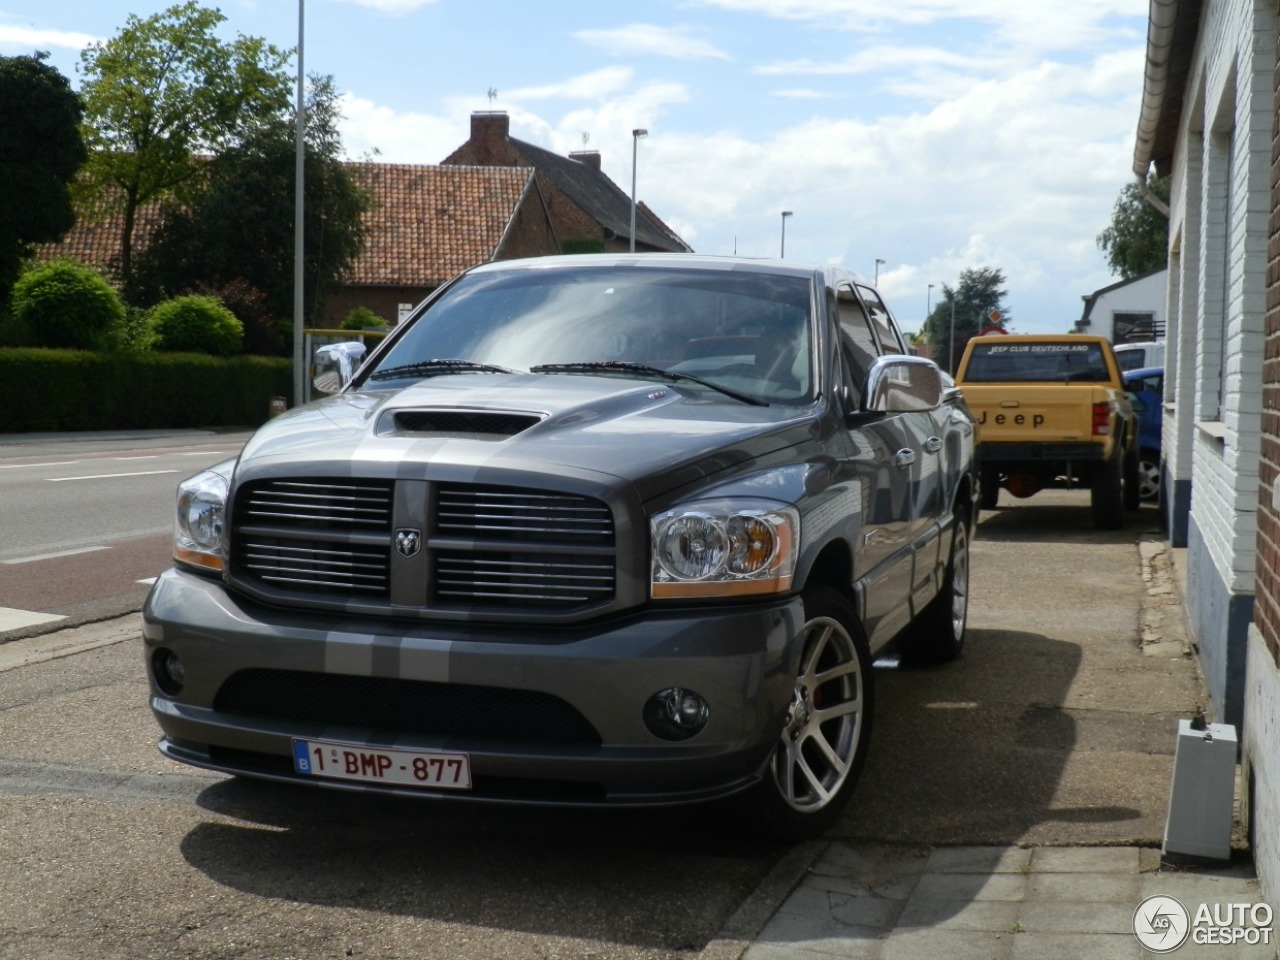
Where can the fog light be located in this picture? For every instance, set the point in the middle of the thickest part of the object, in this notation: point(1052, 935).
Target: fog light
point(169, 671)
point(676, 713)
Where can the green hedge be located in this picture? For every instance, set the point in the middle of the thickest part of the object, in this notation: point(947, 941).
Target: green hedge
point(43, 389)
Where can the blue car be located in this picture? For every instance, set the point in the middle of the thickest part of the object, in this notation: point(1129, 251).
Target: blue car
point(1146, 388)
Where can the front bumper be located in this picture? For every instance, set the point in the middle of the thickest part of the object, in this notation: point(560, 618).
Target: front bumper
point(735, 656)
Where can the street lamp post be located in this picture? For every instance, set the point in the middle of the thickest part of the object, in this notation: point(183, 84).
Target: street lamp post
point(877, 279)
point(951, 341)
point(635, 143)
point(782, 251)
point(299, 360)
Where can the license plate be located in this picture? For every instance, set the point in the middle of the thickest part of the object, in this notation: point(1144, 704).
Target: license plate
point(414, 768)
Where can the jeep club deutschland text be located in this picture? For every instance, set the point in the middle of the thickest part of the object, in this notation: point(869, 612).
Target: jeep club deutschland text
point(600, 530)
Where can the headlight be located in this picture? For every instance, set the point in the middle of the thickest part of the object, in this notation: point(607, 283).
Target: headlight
point(722, 548)
point(198, 535)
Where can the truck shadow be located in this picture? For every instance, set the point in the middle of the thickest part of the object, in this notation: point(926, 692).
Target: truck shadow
point(654, 880)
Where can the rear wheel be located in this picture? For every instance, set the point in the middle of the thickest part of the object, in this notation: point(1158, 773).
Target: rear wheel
point(1106, 493)
point(1149, 476)
point(823, 743)
point(990, 480)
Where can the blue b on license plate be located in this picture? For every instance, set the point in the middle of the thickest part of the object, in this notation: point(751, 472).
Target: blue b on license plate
point(350, 761)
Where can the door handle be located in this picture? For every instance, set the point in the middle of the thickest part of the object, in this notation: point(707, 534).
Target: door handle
point(905, 457)
point(933, 445)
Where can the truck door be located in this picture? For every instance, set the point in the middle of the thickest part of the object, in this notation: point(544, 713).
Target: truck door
point(884, 461)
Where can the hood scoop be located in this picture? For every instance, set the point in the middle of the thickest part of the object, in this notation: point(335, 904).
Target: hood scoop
point(455, 424)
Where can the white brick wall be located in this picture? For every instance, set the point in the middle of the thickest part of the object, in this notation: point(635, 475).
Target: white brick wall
point(1221, 195)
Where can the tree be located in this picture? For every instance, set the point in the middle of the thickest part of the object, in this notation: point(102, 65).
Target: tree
point(239, 226)
point(40, 152)
point(163, 90)
point(1137, 241)
point(965, 310)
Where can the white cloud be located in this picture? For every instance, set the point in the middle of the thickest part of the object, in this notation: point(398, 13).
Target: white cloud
point(802, 94)
point(1028, 26)
point(397, 7)
point(678, 43)
point(28, 38)
point(597, 85)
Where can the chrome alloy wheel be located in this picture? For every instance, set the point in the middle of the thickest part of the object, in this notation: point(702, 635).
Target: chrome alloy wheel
point(1148, 478)
point(821, 736)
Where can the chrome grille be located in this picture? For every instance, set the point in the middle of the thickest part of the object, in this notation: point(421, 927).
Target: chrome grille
point(524, 578)
point(329, 541)
point(358, 504)
point(315, 535)
point(498, 513)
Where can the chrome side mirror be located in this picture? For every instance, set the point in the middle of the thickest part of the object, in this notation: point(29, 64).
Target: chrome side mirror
point(335, 364)
point(902, 384)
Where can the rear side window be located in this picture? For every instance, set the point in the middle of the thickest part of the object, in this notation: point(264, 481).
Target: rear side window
point(1037, 363)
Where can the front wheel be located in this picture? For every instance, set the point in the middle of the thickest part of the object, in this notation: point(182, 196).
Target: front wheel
point(823, 743)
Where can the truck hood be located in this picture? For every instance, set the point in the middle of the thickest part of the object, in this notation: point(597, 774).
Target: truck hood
point(656, 436)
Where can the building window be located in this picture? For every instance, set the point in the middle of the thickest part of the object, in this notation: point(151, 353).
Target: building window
point(1135, 327)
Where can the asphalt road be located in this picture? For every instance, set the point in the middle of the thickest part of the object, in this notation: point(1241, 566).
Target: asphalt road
point(1055, 728)
point(84, 523)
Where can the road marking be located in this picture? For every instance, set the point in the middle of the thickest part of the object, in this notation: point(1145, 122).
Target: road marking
point(51, 463)
point(52, 556)
point(149, 581)
point(206, 453)
point(148, 456)
point(12, 619)
point(111, 476)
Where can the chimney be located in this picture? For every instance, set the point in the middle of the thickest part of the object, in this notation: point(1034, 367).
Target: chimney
point(490, 125)
point(590, 157)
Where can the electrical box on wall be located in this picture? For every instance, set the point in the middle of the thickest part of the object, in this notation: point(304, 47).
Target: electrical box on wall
point(1202, 797)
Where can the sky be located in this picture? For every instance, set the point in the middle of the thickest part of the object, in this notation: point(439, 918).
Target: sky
point(910, 139)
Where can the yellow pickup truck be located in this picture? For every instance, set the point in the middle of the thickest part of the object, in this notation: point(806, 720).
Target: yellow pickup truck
point(1052, 411)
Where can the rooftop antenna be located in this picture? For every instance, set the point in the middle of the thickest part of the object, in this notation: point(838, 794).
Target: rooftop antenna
point(493, 95)
point(585, 137)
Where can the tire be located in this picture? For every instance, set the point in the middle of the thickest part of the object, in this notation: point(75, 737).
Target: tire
point(1132, 475)
point(1106, 489)
point(1149, 476)
point(823, 742)
point(990, 483)
point(938, 634)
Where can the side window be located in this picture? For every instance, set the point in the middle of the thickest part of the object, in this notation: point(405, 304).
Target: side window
point(857, 343)
point(882, 322)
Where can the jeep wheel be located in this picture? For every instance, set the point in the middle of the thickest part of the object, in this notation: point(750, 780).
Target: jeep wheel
point(823, 743)
point(938, 634)
point(1106, 494)
point(990, 482)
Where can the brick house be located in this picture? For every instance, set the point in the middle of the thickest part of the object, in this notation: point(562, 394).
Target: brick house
point(1209, 117)
point(429, 223)
point(583, 202)
point(425, 225)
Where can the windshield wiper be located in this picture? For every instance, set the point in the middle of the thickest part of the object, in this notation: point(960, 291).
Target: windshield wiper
point(629, 367)
point(430, 368)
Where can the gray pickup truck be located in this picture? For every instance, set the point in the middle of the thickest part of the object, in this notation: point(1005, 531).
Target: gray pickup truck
point(598, 530)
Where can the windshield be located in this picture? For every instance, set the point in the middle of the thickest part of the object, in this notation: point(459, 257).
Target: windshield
point(744, 330)
point(1036, 363)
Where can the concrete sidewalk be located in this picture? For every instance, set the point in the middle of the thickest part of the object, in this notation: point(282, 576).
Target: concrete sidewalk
point(1073, 775)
